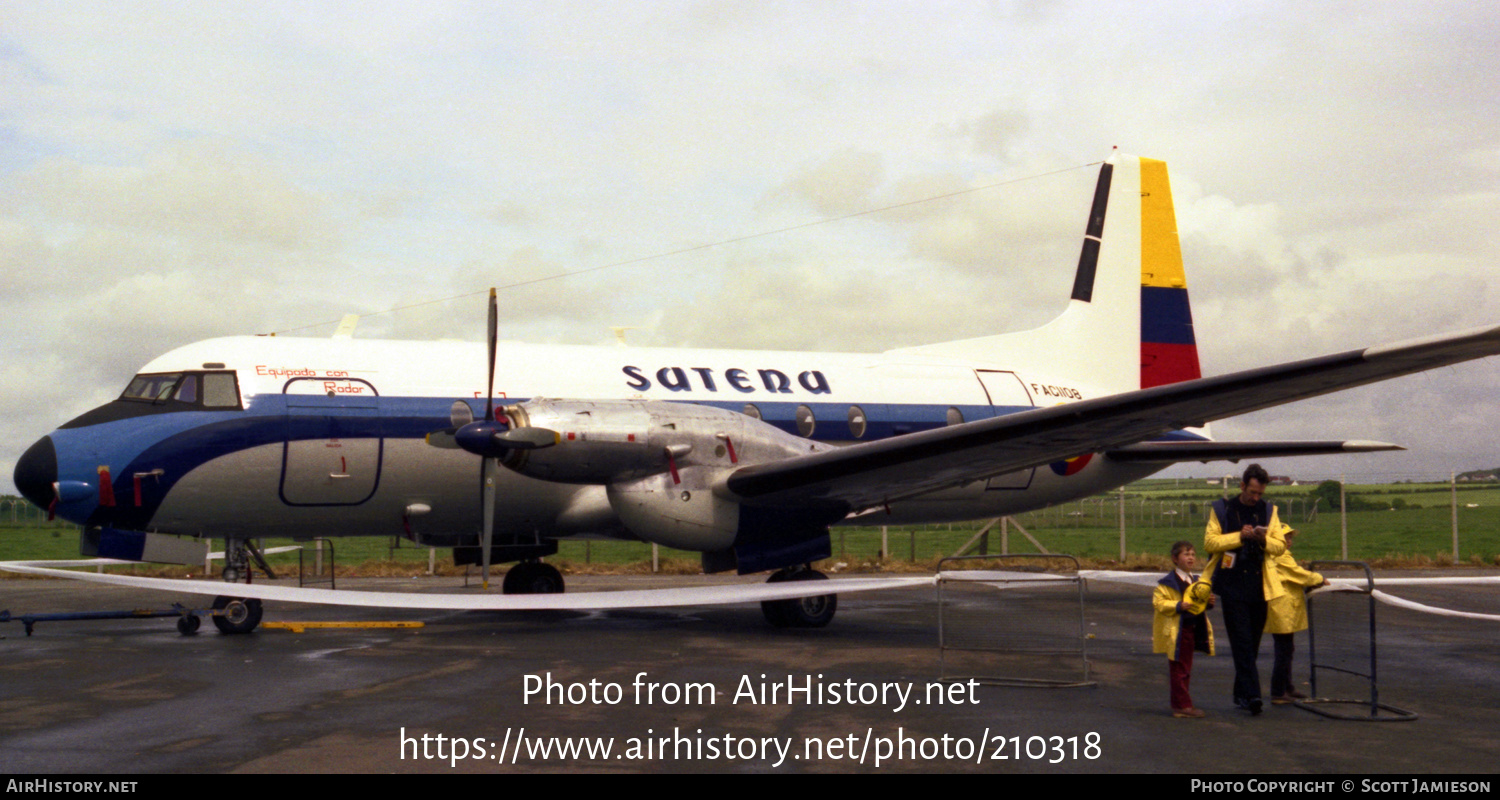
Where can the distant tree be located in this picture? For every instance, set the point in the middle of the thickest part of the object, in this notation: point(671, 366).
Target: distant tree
point(1328, 492)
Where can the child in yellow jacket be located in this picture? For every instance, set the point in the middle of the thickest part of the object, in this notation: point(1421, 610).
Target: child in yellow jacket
point(1180, 628)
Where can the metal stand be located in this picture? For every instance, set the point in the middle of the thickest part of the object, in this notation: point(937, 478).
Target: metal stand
point(1345, 652)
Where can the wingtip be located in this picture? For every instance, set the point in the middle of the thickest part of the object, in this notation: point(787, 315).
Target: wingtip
point(1368, 446)
point(1482, 341)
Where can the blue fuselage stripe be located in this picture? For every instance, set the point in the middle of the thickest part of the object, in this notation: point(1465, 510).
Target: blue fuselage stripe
point(178, 443)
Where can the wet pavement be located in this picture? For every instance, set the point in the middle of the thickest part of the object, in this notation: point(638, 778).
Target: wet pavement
point(690, 690)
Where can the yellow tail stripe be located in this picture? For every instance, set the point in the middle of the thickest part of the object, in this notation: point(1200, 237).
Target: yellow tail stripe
point(1161, 254)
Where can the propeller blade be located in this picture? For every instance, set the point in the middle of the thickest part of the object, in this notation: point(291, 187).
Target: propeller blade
point(460, 414)
point(527, 438)
point(443, 440)
point(494, 335)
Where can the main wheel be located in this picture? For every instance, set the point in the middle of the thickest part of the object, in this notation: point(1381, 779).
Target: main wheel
point(532, 577)
point(801, 612)
point(239, 615)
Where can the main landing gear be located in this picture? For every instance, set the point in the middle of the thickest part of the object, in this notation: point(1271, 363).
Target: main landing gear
point(532, 577)
point(236, 614)
point(801, 612)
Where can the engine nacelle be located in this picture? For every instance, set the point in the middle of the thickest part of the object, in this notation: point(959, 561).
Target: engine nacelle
point(611, 441)
point(684, 513)
point(662, 464)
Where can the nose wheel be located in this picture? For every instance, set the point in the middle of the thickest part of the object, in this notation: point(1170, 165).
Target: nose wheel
point(800, 612)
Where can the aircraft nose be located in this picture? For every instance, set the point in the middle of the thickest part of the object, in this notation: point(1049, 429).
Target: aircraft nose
point(37, 471)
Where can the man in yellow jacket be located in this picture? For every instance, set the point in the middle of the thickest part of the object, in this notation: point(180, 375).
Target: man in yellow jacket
point(1287, 615)
point(1244, 537)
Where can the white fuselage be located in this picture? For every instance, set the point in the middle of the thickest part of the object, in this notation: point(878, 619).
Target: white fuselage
point(329, 440)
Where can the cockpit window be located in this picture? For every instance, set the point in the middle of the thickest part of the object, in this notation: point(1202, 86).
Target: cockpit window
point(181, 391)
point(151, 388)
point(219, 390)
point(187, 391)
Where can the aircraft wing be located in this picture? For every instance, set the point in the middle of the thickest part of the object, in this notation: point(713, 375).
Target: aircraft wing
point(870, 474)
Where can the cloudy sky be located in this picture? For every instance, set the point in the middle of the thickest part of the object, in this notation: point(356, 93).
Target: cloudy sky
point(175, 171)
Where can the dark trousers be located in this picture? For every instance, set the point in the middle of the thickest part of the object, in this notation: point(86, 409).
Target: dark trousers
point(1281, 669)
point(1244, 621)
point(1180, 669)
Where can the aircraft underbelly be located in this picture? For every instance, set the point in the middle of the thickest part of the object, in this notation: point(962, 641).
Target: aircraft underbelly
point(983, 500)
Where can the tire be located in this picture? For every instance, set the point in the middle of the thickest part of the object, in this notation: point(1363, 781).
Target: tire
point(803, 612)
point(239, 615)
point(533, 577)
point(187, 624)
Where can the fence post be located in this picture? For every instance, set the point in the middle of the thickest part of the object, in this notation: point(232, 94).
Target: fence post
point(1343, 521)
point(1453, 491)
point(1122, 524)
point(885, 542)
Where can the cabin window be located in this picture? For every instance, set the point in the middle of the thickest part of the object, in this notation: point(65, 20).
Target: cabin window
point(955, 417)
point(857, 422)
point(805, 421)
point(220, 390)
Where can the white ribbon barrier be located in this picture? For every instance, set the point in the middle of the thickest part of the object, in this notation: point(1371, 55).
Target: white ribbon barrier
point(721, 594)
point(1348, 585)
point(218, 555)
point(643, 598)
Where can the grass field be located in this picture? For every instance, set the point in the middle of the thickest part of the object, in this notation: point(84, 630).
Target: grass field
point(1157, 513)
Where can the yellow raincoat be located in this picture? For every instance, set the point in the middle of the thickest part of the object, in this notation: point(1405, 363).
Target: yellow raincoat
point(1167, 621)
point(1216, 542)
point(1288, 613)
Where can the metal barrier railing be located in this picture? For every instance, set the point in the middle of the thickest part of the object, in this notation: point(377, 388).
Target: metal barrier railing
point(1341, 650)
point(1022, 618)
point(321, 545)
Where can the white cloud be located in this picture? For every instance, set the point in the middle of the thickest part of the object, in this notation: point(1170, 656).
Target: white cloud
point(283, 164)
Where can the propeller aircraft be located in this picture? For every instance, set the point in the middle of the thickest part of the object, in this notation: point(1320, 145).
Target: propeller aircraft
point(747, 457)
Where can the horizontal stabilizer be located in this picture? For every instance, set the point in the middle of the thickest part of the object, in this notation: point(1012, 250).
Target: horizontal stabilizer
point(1175, 452)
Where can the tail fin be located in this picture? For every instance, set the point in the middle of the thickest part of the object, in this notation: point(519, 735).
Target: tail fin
point(1169, 350)
point(1129, 281)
